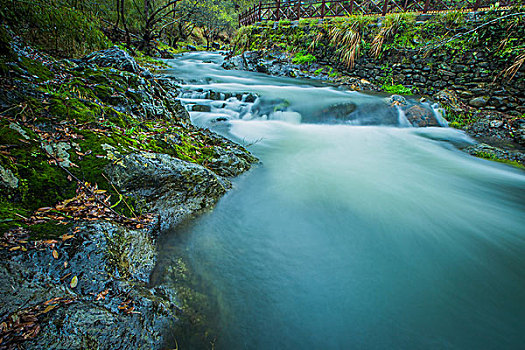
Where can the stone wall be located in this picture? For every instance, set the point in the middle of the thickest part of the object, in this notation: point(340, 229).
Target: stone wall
point(469, 74)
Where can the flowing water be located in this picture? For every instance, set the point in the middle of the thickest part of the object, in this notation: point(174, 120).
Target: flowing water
point(354, 231)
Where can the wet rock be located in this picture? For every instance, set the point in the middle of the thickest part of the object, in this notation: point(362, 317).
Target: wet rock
point(519, 130)
point(166, 54)
point(339, 111)
point(449, 99)
point(249, 98)
point(486, 151)
point(191, 48)
point(496, 123)
point(397, 100)
point(479, 101)
point(201, 108)
point(114, 57)
point(419, 116)
point(91, 320)
point(171, 187)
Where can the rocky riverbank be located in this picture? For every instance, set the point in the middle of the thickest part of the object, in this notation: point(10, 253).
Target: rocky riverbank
point(97, 158)
point(500, 135)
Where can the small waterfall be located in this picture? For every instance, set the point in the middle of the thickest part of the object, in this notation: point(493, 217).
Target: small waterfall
point(402, 118)
point(439, 113)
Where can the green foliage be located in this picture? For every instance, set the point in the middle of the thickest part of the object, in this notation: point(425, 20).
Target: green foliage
point(303, 58)
point(495, 158)
point(459, 120)
point(54, 28)
point(397, 89)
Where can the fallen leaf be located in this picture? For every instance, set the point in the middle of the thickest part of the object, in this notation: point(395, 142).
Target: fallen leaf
point(102, 295)
point(55, 254)
point(74, 282)
point(50, 241)
point(49, 308)
point(14, 248)
point(52, 301)
point(66, 237)
point(65, 264)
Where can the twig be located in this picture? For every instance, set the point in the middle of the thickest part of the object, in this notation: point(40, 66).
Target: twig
point(124, 199)
point(87, 188)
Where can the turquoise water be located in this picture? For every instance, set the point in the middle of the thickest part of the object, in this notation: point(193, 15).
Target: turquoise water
point(358, 237)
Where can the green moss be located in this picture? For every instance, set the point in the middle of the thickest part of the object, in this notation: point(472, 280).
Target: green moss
point(11, 215)
point(459, 120)
point(36, 69)
point(74, 109)
point(150, 62)
point(117, 255)
point(303, 57)
point(495, 158)
point(48, 230)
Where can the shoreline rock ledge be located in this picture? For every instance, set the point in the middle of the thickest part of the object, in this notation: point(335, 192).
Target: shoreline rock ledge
point(75, 264)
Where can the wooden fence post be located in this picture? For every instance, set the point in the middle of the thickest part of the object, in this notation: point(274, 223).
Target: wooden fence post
point(322, 8)
point(278, 15)
point(298, 9)
point(385, 7)
point(260, 11)
point(427, 4)
point(351, 6)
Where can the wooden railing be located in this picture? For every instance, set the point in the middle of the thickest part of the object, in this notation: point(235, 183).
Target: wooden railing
point(296, 9)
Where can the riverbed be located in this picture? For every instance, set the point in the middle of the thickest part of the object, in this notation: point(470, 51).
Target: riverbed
point(355, 231)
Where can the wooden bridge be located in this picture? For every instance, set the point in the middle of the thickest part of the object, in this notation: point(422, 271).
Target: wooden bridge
point(295, 9)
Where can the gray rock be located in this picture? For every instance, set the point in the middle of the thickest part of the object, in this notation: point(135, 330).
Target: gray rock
point(449, 99)
point(60, 151)
point(7, 178)
point(479, 101)
point(397, 100)
point(114, 57)
point(171, 187)
point(19, 129)
point(420, 116)
point(496, 123)
point(99, 253)
point(484, 150)
point(201, 108)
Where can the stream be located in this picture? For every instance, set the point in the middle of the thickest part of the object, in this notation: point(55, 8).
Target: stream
point(355, 231)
